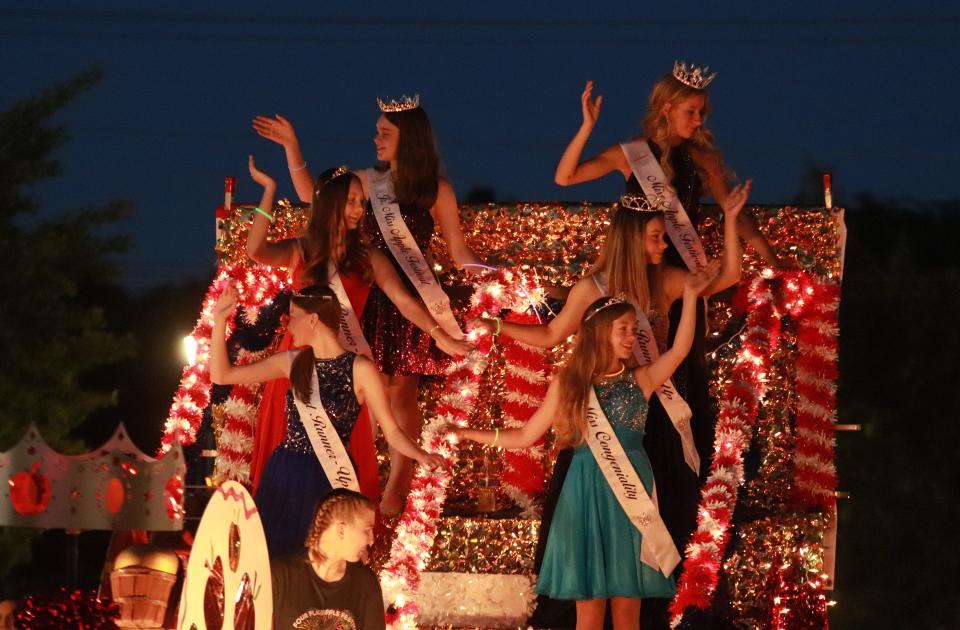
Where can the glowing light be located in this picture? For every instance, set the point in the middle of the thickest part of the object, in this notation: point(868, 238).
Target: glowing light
point(190, 349)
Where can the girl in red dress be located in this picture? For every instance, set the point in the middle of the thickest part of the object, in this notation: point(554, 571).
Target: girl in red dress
point(337, 206)
point(402, 349)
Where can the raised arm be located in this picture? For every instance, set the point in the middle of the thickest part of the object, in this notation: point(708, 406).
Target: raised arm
point(278, 129)
point(570, 170)
point(716, 183)
point(732, 253)
point(277, 254)
point(412, 308)
point(447, 214)
point(528, 434)
point(559, 328)
point(373, 395)
point(652, 376)
point(222, 372)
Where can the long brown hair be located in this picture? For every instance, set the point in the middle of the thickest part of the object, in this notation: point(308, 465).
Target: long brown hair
point(340, 504)
point(418, 165)
point(591, 355)
point(655, 127)
point(624, 259)
point(327, 229)
point(323, 302)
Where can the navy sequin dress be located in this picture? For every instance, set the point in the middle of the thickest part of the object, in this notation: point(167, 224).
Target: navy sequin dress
point(398, 346)
point(293, 479)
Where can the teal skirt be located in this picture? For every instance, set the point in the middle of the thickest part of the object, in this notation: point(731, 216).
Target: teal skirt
point(593, 550)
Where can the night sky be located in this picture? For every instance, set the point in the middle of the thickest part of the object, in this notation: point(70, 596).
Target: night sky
point(866, 88)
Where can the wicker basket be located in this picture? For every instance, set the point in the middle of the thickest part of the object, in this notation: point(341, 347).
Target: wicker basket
point(142, 594)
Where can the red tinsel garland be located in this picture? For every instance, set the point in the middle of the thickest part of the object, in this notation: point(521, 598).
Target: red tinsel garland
point(77, 609)
point(257, 286)
point(814, 471)
point(768, 301)
point(416, 529)
point(526, 386)
point(735, 422)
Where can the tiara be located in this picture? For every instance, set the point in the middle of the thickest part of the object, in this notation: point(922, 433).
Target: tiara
point(695, 77)
point(619, 298)
point(405, 103)
point(343, 169)
point(302, 295)
point(640, 203)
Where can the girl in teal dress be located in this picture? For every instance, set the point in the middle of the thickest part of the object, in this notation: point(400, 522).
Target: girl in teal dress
point(593, 550)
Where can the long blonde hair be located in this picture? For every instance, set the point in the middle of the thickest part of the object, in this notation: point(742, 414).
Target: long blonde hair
point(337, 505)
point(624, 259)
point(655, 126)
point(591, 355)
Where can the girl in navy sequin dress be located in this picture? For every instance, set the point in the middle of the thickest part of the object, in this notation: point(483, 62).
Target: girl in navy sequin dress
point(593, 551)
point(294, 479)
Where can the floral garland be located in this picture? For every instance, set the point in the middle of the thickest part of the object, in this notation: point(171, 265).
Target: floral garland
point(814, 471)
point(257, 286)
point(768, 301)
point(416, 529)
point(526, 383)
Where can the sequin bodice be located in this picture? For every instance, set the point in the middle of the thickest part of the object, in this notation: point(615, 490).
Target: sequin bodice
point(335, 377)
point(686, 181)
point(625, 406)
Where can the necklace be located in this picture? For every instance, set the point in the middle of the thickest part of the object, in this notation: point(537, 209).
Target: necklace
point(617, 373)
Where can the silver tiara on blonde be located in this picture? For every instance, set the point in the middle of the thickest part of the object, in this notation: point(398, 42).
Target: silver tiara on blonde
point(405, 103)
point(619, 298)
point(640, 203)
point(696, 77)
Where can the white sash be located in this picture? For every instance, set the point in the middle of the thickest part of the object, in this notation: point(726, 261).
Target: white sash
point(350, 334)
point(646, 352)
point(657, 548)
point(326, 443)
point(682, 232)
point(404, 248)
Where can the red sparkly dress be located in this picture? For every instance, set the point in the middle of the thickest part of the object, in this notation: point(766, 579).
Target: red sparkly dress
point(272, 417)
point(398, 346)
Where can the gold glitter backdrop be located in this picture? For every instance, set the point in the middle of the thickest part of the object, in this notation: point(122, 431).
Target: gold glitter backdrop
point(560, 241)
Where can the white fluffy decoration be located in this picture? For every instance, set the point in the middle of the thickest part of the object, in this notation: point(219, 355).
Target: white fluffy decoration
point(475, 599)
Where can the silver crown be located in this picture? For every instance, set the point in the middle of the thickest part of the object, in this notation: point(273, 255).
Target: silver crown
point(640, 203)
point(695, 77)
point(619, 298)
point(405, 103)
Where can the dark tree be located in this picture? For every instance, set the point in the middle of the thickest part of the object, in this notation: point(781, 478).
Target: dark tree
point(53, 332)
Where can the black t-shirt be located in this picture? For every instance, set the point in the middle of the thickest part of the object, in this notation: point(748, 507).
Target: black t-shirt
point(303, 601)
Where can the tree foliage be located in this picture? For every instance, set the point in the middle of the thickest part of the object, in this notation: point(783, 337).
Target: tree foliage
point(52, 331)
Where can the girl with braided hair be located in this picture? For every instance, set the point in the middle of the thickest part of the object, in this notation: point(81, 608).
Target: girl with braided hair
point(326, 584)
